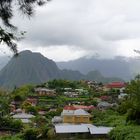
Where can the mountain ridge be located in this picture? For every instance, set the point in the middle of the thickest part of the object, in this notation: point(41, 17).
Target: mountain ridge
point(34, 68)
point(121, 67)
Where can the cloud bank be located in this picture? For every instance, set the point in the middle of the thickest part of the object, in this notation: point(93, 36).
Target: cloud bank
point(68, 29)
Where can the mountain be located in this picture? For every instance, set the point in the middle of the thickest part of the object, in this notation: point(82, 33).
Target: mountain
point(72, 75)
point(3, 61)
point(121, 67)
point(97, 76)
point(34, 68)
point(28, 67)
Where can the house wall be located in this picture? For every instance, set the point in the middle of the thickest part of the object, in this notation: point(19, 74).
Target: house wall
point(76, 119)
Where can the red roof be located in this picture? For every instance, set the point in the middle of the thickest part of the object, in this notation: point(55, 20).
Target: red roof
point(75, 107)
point(104, 97)
point(69, 108)
point(116, 85)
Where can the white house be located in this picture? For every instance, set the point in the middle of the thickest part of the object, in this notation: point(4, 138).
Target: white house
point(24, 117)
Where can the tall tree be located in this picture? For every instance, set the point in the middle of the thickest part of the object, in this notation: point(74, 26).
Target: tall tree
point(133, 100)
point(6, 13)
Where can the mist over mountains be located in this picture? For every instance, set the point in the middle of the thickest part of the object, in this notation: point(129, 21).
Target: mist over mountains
point(122, 67)
point(34, 68)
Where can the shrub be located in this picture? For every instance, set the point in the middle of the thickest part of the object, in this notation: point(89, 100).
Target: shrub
point(10, 138)
point(125, 133)
point(108, 118)
point(9, 123)
point(30, 134)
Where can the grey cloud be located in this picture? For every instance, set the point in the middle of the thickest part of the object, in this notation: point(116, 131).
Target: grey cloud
point(90, 24)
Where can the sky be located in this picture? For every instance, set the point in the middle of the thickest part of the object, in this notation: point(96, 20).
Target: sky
point(65, 30)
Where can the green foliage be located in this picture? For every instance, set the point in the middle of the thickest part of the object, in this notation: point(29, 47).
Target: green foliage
point(45, 131)
point(91, 102)
point(125, 133)
point(9, 123)
point(30, 134)
point(32, 110)
point(107, 118)
point(124, 106)
point(26, 105)
point(24, 90)
point(4, 107)
point(10, 138)
point(133, 115)
point(51, 133)
point(51, 114)
point(63, 84)
point(4, 102)
point(131, 105)
point(6, 13)
point(40, 121)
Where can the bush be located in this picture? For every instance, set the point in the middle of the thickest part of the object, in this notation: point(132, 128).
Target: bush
point(45, 131)
point(10, 138)
point(125, 133)
point(9, 123)
point(51, 133)
point(133, 115)
point(30, 134)
point(16, 124)
point(108, 118)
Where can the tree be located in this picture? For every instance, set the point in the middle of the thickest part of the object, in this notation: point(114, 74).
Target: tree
point(9, 36)
point(134, 98)
point(131, 105)
point(30, 134)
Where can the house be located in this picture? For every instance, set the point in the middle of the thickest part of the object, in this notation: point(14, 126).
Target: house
point(57, 119)
point(24, 117)
point(32, 100)
point(75, 116)
point(16, 103)
point(42, 112)
point(104, 105)
point(81, 91)
point(105, 98)
point(71, 94)
point(116, 85)
point(45, 92)
point(122, 95)
point(67, 89)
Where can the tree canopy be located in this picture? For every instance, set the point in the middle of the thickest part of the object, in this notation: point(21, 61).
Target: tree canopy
point(8, 36)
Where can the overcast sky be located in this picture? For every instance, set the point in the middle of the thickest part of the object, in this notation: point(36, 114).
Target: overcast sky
point(68, 29)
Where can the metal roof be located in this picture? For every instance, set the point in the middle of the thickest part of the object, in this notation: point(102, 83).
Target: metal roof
point(74, 112)
point(71, 128)
point(80, 112)
point(23, 116)
point(44, 89)
point(100, 130)
point(82, 128)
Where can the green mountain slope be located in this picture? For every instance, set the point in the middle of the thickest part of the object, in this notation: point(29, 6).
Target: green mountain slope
point(97, 76)
point(28, 67)
point(34, 68)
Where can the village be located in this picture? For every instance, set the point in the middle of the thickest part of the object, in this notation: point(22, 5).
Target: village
point(66, 107)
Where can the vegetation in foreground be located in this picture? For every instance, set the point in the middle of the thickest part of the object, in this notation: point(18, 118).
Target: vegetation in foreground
point(125, 118)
